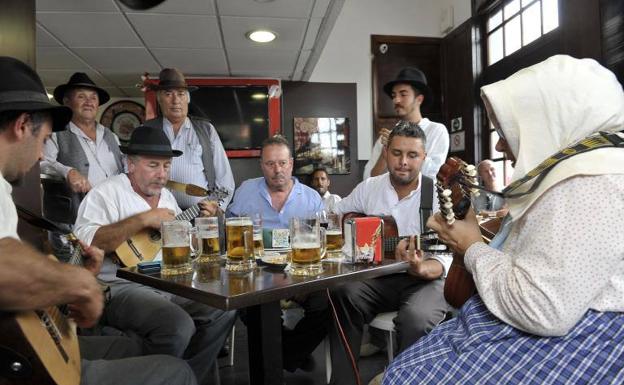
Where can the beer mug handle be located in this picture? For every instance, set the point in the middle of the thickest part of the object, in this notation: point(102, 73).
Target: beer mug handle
point(323, 235)
point(195, 243)
point(248, 243)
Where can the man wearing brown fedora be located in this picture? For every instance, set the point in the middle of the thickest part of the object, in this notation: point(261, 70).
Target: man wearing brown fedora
point(31, 281)
point(82, 156)
point(119, 208)
point(409, 92)
point(204, 162)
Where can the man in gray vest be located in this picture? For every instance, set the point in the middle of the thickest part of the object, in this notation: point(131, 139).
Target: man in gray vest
point(78, 158)
point(204, 162)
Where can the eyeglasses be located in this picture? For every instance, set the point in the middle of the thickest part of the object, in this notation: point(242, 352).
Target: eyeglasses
point(280, 163)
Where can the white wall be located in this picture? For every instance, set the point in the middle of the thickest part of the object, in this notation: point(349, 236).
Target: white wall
point(347, 58)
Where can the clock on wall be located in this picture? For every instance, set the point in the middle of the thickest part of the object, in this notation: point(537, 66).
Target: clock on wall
point(123, 117)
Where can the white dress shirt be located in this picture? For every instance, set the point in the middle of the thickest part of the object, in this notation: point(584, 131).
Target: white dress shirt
point(102, 164)
point(330, 201)
point(189, 168)
point(8, 212)
point(437, 147)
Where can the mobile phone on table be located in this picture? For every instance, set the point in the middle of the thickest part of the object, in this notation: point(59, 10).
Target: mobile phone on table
point(148, 267)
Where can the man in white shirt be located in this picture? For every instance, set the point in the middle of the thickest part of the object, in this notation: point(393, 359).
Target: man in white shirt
point(319, 180)
point(120, 208)
point(416, 294)
point(29, 280)
point(409, 92)
point(204, 161)
point(79, 157)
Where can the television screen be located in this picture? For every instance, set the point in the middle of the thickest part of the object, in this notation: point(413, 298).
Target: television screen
point(239, 113)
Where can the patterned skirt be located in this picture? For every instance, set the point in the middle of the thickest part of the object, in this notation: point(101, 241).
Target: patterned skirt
point(477, 348)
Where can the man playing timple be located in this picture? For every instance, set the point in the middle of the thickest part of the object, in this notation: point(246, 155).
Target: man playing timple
point(486, 203)
point(320, 182)
point(416, 294)
point(119, 208)
point(30, 280)
point(203, 162)
point(550, 302)
point(278, 196)
point(409, 91)
point(85, 154)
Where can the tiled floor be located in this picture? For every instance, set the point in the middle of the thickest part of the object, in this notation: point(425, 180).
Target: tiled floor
point(238, 374)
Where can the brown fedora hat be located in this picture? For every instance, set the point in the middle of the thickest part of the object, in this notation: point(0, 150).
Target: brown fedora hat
point(21, 89)
point(171, 78)
point(80, 80)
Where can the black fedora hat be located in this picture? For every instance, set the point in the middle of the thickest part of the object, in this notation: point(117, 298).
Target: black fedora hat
point(21, 89)
point(149, 141)
point(415, 77)
point(80, 80)
point(171, 78)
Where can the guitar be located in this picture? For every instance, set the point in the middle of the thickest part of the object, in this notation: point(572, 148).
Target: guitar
point(40, 347)
point(453, 184)
point(144, 245)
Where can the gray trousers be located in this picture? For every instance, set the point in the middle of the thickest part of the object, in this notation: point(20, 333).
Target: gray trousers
point(420, 304)
point(112, 360)
point(166, 324)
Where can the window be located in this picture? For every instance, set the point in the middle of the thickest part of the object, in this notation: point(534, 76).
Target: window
point(516, 23)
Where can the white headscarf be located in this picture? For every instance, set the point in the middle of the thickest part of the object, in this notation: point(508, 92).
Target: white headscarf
point(546, 107)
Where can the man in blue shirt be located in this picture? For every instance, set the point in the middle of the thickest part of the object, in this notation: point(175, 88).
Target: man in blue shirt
point(278, 196)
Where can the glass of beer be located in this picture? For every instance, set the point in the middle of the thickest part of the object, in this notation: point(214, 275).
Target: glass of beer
point(239, 240)
point(308, 243)
point(177, 247)
point(256, 219)
point(334, 234)
point(208, 235)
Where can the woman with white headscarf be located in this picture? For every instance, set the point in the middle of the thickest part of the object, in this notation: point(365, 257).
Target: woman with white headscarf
point(550, 300)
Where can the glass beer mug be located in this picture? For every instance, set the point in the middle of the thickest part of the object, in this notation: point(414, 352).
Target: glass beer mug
point(177, 247)
point(239, 240)
point(308, 243)
point(208, 235)
point(334, 234)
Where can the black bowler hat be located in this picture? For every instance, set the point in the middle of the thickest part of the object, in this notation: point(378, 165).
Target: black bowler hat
point(415, 77)
point(149, 141)
point(171, 78)
point(80, 80)
point(21, 89)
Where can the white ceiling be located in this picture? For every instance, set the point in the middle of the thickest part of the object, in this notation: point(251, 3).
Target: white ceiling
point(115, 45)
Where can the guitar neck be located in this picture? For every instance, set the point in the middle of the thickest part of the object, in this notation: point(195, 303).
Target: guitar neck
point(189, 214)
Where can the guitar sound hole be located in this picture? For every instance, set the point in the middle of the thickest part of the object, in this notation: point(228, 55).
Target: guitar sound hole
point(154, 236)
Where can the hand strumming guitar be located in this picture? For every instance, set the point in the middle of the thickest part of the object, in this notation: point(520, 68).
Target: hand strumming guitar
point(87, 306)
point(427, 269)
point(92, 258)
point(208, 208)
point(154, 217)
point(460, 235)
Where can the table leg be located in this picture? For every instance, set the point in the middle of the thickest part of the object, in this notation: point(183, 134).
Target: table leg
point(264, 340)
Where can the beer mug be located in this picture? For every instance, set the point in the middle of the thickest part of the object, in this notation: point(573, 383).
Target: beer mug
point(208, 235)
point(258, 242)
point(308, 243)
point(239, 240)
point(334, 234)
point(177, 247)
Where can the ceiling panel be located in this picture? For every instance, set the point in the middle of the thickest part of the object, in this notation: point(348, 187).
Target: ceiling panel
point(257, 60)
point(76, 5)
point(53, 78)
point(320, 8)
point(181, 31)
point(44, 39)
point(58, 58)
point(311, 33)
point(90, 29)
point(209, 62)
point(181, 7)
point(289, 32)
point(125, 60)
point(276, 8)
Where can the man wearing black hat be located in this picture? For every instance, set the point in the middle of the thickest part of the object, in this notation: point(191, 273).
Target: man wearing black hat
point(409, 92)
point(28, 279)
point(119, 208)
point(204, 162)
point(83, 155)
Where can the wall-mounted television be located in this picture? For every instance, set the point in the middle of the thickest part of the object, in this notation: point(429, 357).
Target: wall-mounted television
point(244, 111)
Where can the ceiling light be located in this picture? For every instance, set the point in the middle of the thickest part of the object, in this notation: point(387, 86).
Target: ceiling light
point(258, 96)
point(261, 36)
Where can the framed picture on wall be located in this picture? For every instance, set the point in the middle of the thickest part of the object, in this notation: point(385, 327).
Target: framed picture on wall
point(321, 142)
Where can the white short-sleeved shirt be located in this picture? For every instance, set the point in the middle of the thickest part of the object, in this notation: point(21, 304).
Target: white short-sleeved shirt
point(8, 212)
point(110, 202)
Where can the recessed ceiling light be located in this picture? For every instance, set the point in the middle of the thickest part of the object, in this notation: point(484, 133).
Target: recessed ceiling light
point(261, 36)
point(258, 96)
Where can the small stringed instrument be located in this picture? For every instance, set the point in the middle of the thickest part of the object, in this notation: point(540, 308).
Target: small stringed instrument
point(40, 347)
point(453, 184)
point(144, 245)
